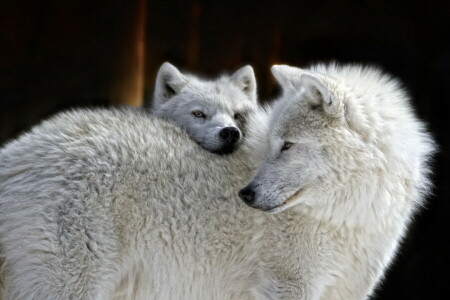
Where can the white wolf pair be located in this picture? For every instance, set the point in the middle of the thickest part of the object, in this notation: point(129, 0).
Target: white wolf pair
point(111, 204)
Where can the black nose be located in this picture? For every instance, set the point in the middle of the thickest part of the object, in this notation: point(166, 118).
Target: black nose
point(230, 135)
point(247, 195)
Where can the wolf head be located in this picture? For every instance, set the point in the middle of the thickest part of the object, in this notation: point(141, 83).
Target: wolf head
point(341, 139)
point(213, 113)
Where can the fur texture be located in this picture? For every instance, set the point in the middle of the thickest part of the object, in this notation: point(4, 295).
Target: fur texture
point(347, 151)
point(212, 112)
point(114, 204)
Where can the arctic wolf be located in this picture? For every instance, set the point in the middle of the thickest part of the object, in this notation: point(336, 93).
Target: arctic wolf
point(213, 113)
point(349, 161)
point(116, 205)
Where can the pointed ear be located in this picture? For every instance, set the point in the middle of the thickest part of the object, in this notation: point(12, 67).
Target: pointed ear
point(286, 75)
point(319, 95)
point(245, 79)
point(169, 82)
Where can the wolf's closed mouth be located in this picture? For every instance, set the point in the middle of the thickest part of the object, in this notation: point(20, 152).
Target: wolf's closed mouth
point(276, 208)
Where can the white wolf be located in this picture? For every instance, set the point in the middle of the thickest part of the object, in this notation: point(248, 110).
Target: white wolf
point(113, 204)
point(349, 160)
point(214, 112)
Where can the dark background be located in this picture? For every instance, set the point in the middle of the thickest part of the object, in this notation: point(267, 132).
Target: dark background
point(55, 55)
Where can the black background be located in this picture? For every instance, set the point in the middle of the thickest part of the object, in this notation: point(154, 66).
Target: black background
point(56, 55)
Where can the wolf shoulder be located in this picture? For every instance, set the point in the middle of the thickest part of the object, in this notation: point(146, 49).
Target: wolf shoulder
point(94, 132)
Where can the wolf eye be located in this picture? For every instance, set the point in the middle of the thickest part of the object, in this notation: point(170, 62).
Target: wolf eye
point(237, 116)
point(198, 114)
point(286, 145)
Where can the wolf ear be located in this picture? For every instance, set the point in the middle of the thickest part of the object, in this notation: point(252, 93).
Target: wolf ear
point(245, 79)
point(169, 82)
point(319, 95)
point(286, 75)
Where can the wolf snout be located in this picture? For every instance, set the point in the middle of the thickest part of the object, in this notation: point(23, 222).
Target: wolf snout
point(230, 135)
point(247, 194)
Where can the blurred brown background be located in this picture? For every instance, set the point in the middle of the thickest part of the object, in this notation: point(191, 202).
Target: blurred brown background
point(56, 55)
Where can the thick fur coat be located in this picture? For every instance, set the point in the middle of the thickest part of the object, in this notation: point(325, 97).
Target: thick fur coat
point(119, 205)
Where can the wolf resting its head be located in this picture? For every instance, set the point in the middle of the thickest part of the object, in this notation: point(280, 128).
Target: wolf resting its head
point(212, 112)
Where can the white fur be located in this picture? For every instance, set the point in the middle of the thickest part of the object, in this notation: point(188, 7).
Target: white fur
point(358, 166)
point(116, 205)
